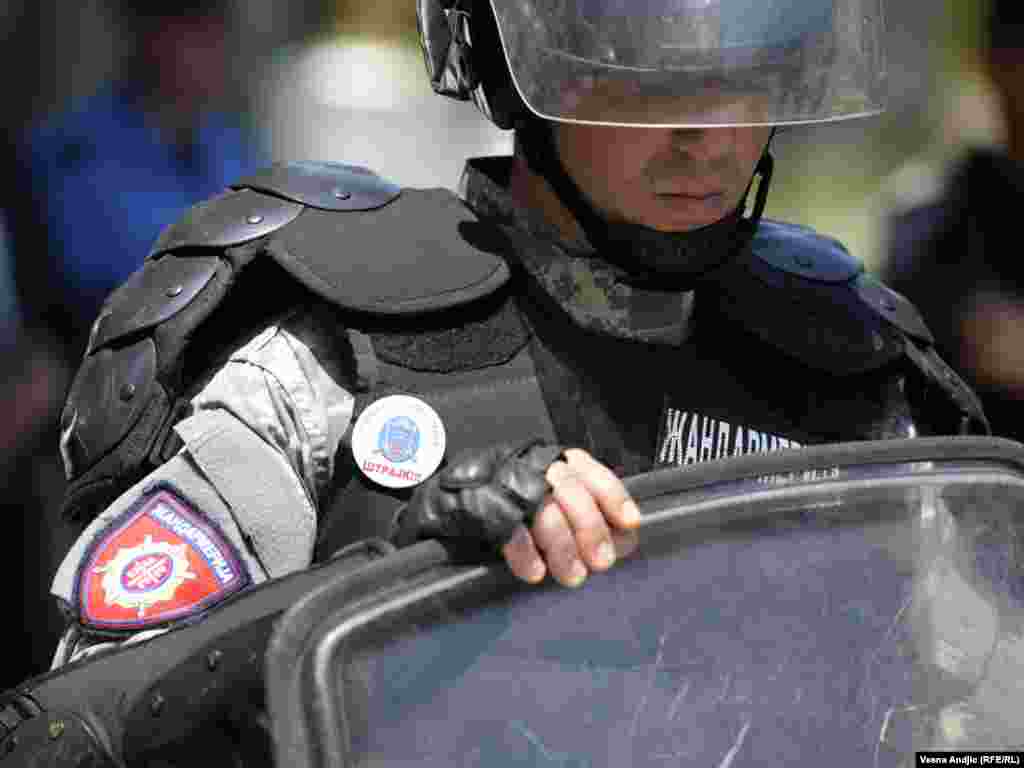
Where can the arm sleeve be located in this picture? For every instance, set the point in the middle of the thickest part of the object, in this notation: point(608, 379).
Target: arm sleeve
point(258, 455)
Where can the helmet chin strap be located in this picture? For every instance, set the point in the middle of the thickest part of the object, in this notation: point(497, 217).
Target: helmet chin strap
point(672, 261)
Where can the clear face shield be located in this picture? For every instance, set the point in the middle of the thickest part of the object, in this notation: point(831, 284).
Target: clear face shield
point(695, 63)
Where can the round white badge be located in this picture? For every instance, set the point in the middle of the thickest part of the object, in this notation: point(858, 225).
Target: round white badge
point(398, 441)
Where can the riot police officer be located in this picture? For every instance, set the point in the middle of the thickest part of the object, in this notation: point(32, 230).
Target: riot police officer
point(315, 356)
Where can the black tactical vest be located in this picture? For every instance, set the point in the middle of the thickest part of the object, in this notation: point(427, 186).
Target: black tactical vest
point(791, 339)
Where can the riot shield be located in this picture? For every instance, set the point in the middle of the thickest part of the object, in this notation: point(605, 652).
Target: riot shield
point(848, 605)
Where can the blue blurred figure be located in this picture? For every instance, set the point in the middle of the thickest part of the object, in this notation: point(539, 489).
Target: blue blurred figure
point(91, 188)
point(110, 172)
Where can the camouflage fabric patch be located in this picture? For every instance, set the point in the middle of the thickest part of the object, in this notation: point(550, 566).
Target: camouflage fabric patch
point(589, 288)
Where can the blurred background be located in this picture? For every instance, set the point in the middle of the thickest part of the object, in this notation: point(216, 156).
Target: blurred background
point(120, 115)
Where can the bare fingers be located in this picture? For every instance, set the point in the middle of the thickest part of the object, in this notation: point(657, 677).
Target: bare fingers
point(523, 558)
point(607, 489)
point(586, 523)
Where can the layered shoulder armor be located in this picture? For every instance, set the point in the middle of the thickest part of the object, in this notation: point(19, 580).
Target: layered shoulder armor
point(806, 295)
point(292, 233)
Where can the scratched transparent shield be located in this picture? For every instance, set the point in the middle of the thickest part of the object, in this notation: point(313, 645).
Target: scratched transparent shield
point(839, 612)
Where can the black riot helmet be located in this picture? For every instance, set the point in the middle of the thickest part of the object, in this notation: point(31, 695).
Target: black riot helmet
point(655, 63)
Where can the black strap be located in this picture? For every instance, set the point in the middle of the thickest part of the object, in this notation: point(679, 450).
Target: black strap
point(938, 374)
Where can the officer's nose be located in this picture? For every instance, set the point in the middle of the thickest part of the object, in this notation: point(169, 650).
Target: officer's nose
point(706, 144)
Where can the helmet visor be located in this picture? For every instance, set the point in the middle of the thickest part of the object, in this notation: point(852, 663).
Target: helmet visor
point(695, 63)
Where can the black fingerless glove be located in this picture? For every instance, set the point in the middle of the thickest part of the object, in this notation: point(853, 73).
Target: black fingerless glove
point(482, 496)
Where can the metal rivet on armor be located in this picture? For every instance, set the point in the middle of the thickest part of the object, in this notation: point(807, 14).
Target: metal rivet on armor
point(175, 290)
point(804, 259)
point(342, 194)
point(127, 392)
point(156, 706)
point(213, 660)
point(56, 729)
point(878, 342)
point(254, 219)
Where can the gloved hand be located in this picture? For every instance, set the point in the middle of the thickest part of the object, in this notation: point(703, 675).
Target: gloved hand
point(481, 496)
point(546, 509)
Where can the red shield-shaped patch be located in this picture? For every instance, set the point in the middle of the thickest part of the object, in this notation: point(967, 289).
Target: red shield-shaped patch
point(159, 562)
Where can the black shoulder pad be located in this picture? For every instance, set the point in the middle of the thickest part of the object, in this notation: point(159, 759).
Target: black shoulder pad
point(229, 219)
point(423, 252)
point(123, 394)
point(893, 306)
point(803, 252)
point(155, 292)
point(798, 291)
point(328, 186)
point(271, 198)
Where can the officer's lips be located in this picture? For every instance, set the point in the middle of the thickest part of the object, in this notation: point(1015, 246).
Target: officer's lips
point(696, 193)
point(699, 207)
point(702, 197)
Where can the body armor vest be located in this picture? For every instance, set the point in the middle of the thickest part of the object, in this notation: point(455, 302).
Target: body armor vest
point(450, 319)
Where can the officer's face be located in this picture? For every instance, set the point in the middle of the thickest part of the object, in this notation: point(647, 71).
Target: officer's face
point(671, 180)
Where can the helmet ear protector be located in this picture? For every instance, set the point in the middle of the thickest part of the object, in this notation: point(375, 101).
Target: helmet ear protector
point(465, 60)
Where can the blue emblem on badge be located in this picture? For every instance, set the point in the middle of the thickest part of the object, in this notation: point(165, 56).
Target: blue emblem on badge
point(147, 572)
point(399, 439)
